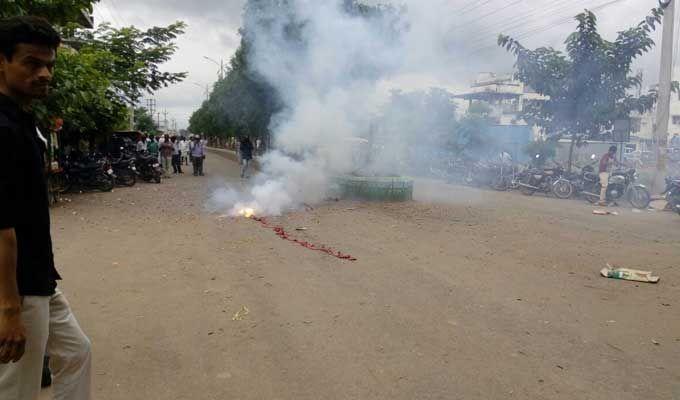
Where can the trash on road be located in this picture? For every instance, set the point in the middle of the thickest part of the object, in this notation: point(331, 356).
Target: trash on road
point(604, 212)
point(241, 314)
point(629, 274)
point(301, 228)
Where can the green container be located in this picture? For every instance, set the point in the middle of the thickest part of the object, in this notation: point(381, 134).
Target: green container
point(373, 188)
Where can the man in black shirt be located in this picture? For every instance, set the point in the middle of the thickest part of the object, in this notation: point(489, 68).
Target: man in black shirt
point(35, 317)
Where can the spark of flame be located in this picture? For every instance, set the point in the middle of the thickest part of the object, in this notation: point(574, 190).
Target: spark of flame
point(246, 212)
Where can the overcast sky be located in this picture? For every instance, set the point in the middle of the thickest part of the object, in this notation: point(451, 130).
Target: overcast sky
point(213, 31)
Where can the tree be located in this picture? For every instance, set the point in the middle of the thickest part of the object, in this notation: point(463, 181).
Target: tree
point(243, 102)
point(58, 12)
point(93, 86)
point(137, 57)
point(82, 94)
point(589, 87)
point(144, 121)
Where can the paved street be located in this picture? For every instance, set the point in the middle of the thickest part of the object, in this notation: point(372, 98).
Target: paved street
point(464, 294)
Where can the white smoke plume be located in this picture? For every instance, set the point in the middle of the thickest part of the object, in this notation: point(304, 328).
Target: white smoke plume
point(333, 70)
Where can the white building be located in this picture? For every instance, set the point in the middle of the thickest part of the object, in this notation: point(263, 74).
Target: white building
point(506, 96)
point(643, 126)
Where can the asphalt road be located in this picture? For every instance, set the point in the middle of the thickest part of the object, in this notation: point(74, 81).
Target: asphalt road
point(463, 294)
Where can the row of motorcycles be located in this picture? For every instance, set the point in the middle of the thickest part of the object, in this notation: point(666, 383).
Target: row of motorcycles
point(96, 171)
point(555, 180)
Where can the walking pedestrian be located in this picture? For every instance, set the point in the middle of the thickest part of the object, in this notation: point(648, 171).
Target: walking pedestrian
point(35, 318)
point(246, 154)
point(184, 149)
point(166, 154)
point(176, 156)
point(198, 156)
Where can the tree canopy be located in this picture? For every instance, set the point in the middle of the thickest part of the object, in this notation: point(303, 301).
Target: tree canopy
point(58, 12)
point(137, 56)
point(82, 94)
point(590, 86)
point(110, 70)
point(243, 102)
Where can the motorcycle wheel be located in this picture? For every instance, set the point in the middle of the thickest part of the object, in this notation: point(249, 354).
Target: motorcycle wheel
point(563, 189)
point(499, 183)
point(639, 198)
point(157, 177)
point(60, 183)
point(590, 198)
point(527, 190)
point(126, 178)
point(104, 183)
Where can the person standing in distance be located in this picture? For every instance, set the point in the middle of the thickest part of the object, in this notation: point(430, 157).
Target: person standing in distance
point(606, 162)
point(35, 318)
point(246, 153)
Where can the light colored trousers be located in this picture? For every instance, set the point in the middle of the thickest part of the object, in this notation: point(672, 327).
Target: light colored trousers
point(52, 330)
point(167, 164)
point(604, 182)
point(244, 167)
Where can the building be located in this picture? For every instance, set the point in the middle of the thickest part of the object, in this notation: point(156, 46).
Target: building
point(506, 98)
point(643, 126)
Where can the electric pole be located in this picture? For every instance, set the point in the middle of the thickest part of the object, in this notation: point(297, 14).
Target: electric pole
point(165, 120)
point(665, 77)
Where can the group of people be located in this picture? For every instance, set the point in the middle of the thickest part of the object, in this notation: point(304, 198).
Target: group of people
point(174, 151)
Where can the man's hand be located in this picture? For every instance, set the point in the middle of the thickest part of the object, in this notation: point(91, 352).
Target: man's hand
point(12, 334)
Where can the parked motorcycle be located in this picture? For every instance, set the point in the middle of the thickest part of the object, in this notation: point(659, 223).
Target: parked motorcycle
point(124, 169)
point(621, 186)
point(148, 167)
point(545, 180)
point(89, 173)
point(672, 193)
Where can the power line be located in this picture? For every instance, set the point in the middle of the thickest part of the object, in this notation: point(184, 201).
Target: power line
point(115, 12)
point(479, 4)
point(548, 27)
point(496, 11)
point(517, 22)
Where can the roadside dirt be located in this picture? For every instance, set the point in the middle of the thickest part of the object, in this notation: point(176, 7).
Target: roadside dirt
point(462, 294)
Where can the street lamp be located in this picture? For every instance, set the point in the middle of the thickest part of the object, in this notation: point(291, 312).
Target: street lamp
point(220, 64)
point(206, 87)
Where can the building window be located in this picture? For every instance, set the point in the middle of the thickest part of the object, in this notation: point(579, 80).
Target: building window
point(676, 120)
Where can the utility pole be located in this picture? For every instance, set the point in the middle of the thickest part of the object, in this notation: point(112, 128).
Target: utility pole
point(220, 72)
point(151, 106)
point(665, 77)
point(165, 119)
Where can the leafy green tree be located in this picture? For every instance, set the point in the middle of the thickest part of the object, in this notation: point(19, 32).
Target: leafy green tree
point(58, 12)
point(82, 94)
point(144, 121)
point(590, 86)
point(244, 102)
point(137, 57)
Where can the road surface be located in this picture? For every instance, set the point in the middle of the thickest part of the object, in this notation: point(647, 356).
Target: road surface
point(463, 294)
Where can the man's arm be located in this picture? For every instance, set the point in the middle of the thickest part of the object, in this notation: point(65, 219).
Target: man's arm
point(12, 332)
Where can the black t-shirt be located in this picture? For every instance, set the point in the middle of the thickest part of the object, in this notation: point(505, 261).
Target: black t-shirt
point(24, 203)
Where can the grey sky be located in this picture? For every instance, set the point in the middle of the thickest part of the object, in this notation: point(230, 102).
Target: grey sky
point(471, 27)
